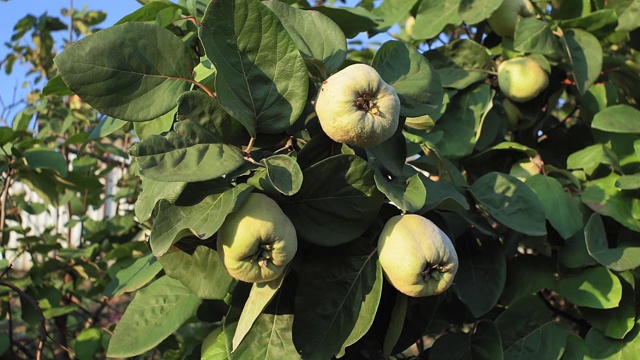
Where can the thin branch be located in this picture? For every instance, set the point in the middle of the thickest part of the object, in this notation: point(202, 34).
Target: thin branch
point(580, 322)
point(70, 21)
point(43, 326)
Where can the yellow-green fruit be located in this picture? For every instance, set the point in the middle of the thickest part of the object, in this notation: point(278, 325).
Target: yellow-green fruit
point(503, 20)
point(257, 241)
point(356, 107)
point(416, 256)
point(521, 79)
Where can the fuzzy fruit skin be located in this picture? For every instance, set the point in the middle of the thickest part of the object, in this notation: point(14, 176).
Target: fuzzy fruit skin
point(521, 79)
point(344, 121)
point(503, 20)
point(258, 223)
point(410, 244)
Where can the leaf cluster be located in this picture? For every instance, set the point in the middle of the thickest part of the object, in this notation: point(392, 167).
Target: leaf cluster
point(543, 207)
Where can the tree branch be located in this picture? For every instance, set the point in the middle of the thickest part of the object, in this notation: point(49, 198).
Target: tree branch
point(43, 326)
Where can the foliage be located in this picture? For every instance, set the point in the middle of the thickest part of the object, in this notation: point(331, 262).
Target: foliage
point(543, 207)
point(65, 220)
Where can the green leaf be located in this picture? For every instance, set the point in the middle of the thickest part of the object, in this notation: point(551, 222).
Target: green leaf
point(5, 343)
point(56, 86)
point(443, 195)
point(513, 146)
point(259, 297)
point(88, 343)
point(391, 12)
point(474, 11)
point(417, 84)
point(535, 36)
point(461, 62)
point(481, 343)
point(186, 155)
point(594, 287)
point(154, 191)
point(156, 311)
point(136, 82)
point(280, 174)
point(351, 20)
point(574, 253)
point(150, 11)
point(406, 192)
point(585, 56)
point(619, 258)
point(214, 346)
point(619, 321)
point(340, 191)
point(481, 275)
point(106, 127)
point(45, 158)
point(603, 197)
point(529, 331)
point(391, 153)
point(576, 348)
point(617, 119)
point(336, 299)
point(269, 338)
point(202, 217)
point(22, 120)
point(132, 278)
point(370, 306)
point(207, 112)
point(599, 19)
point(315, 35)
point(591, 157)
point(201, 272)
point(511, 202)
point(157, 126)
point(628, 13)
point(261, 77)
point(559, 208)
point(433, 16)
point(460, 121)
point(602, 347)
point(526, 275)
point(396, 323)
point(628, 182)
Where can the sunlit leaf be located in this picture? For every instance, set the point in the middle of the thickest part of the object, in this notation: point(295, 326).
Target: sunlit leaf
point(156, 311)
point(136, 82)
point(261, 77)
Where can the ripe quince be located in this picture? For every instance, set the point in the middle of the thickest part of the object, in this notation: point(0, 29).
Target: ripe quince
point(257, 241)
point(417, 258)
point(356, 107)
point(521, 79)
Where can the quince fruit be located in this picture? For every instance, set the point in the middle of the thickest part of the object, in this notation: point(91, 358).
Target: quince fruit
point(356, 107)
point(521, 79)
point(257, 241)
point(416, 256)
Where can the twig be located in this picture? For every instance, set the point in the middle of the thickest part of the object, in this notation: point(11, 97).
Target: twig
point(43, 326)
point(580, 322)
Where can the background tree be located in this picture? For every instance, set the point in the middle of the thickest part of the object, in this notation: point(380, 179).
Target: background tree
point(538, 190)
point(65, 210)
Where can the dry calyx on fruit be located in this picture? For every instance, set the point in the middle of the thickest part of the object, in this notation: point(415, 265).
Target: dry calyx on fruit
point(521, 79)
point(356, 107)
point(416, 256)
point(503, 20)
point(257, 241)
